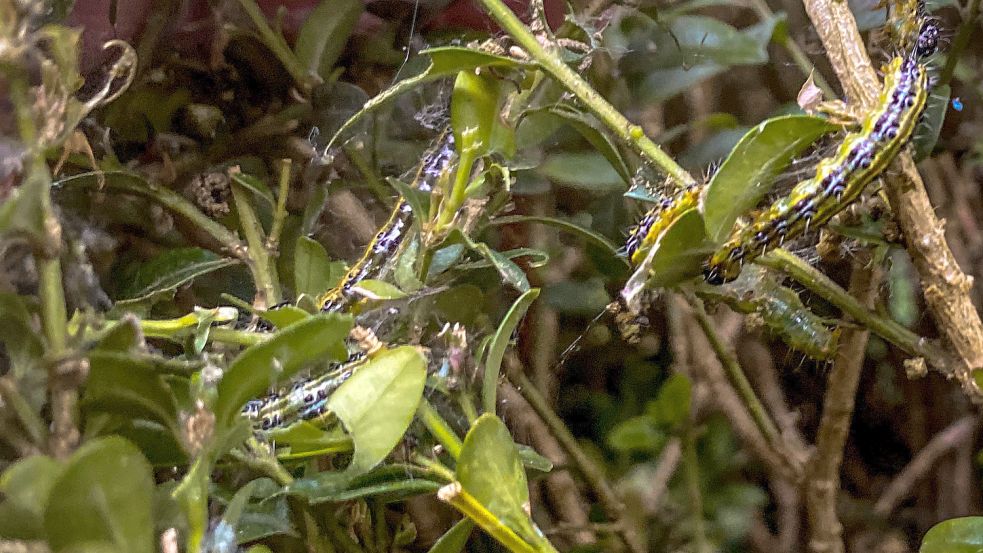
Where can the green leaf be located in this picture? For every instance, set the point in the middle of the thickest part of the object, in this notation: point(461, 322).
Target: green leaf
point(636, 435)
point(378, 402)
point(474, 113)
point(103, 495)
point(284, 316)
point(314, 272)
point(325, 34)
point(671, 408)
point(676, 256)
point(258, 189)
point(588, 235)
point(449, 60)
point(490, 470)
point(122, 336)
point(930, 124)
point(120, 384)
point(305, 439)
point(513, 275)
point(170, 270)
point(25, 487)
point(531, 459)
point(318, 338)
point(957, 535)
point(391, 482)
point(663, 70)
point(18, 335)
point(500, 341)
point(378, 290)
point(589, 128)
point(454, 540)
point(21, 211)
point(587, 171)
point(748, 172)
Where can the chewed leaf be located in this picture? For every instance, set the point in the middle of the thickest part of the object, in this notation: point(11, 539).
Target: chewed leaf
point(747, 173)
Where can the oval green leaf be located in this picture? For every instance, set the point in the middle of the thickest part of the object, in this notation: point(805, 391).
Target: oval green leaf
point(104, 495)
point(748, 172)
point(318, 338)
point(378, 402)
point(957, 535)
point(171, 269)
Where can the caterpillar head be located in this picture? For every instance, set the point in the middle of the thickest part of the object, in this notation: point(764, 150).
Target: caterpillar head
point(928, 39)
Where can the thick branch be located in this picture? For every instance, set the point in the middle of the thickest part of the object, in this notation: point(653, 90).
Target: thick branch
point(946, 286)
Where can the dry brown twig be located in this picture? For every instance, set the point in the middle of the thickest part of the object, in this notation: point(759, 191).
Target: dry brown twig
point(946, 286)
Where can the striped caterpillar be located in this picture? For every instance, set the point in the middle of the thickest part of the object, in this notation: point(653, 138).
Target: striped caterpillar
point(390, 236)
point(644, 234)
point(839, 179)
point(306, 400)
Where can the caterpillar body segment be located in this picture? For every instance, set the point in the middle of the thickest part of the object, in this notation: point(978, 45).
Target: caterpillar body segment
point(656, 220)
point(839, 179)
point(391, 235)
point(303, 400)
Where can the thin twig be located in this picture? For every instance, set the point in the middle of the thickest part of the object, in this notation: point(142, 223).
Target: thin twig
point(280, 215)
point(592, 473)
point(735, 374)
point(627, 132)
point(942, 443)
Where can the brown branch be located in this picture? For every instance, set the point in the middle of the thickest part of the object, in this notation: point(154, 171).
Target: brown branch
point(823, 473)
point(946, 286)
point(694, 356)
point(942, 443)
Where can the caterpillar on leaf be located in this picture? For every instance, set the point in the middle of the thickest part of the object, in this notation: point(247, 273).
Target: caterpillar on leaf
point(839, 179)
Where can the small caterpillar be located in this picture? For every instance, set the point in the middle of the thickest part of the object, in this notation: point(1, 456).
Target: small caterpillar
point(780, 309)
point(656, 220)
point(389, 237)
point(304, 400)
point(840, 179)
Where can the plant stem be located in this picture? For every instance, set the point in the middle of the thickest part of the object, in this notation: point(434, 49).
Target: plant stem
point(735, 374)
point(798, 56)
point(691, 471)
point(961, 41)
point(260, 265)
point(130, 183)
point(461, 500)
point(592, 472)
point(455, 196)
point(439, 429)
point(627, 131)
point(280, 215)
point(823, 474)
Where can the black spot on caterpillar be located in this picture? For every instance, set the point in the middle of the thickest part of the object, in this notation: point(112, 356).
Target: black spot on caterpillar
point(839, 179)
point(390, 236)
